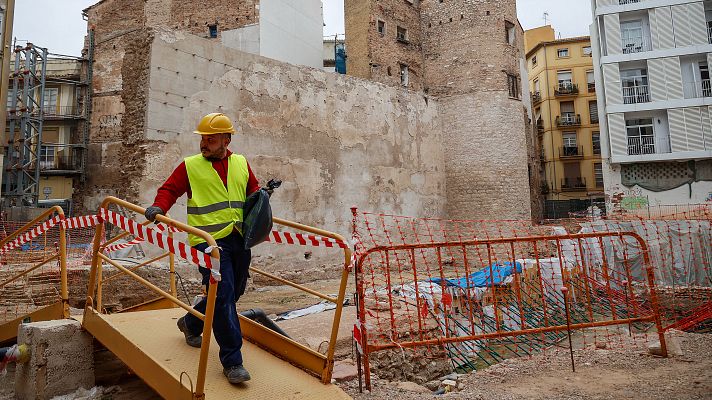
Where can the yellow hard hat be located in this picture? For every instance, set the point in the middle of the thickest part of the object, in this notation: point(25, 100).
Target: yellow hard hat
point(214, 123)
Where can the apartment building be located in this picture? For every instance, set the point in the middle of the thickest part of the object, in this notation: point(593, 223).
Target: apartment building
point(563, 93)
point(652, 60)
point(59, 155)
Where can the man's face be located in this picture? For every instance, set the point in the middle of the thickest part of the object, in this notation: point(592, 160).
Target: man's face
point(214, 147)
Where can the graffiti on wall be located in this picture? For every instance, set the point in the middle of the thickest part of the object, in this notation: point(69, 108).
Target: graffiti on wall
point(109, 121)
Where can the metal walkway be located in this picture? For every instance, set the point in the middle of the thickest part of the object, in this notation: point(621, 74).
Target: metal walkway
point(151, 345)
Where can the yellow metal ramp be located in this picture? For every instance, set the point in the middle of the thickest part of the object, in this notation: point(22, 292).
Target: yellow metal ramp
point(151, 345)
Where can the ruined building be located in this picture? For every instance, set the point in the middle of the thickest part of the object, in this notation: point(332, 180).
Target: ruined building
point(446, 151)
point(468, 56)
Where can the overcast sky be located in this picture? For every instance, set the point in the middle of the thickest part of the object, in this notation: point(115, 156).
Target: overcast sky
point(58, 24)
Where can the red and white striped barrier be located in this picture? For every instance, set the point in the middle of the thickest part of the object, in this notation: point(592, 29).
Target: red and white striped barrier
point(304, 240)
point(31, 234)
point(156, 237)
point(126, 245)
point(84, 221)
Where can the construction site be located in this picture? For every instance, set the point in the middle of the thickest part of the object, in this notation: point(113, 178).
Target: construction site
point(409, 255)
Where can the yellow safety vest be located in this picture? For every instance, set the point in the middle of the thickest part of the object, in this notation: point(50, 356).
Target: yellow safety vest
point(213, 208)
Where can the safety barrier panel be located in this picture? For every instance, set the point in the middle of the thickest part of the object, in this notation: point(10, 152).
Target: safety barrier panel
point(33, 283)
point(486, 299)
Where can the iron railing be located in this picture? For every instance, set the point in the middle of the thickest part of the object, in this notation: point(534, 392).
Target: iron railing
point(571, 151)
point(709, 31)
point(624, 2)
point(536, 97)
point(568, 119)
point(694, 90)
point(571, 184)
point(60, 157)
point(540, 125)
point(636, 94)
point(591, 87)
point(639, 145)
point(566, 89)
point(636, 45)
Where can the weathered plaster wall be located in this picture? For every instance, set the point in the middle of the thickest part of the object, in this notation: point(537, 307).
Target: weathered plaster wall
point(335, 141)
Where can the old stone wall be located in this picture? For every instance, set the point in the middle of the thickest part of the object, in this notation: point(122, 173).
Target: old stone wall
point(379, 56)
point(465, 47)
point(335, 141)
point(485, 149)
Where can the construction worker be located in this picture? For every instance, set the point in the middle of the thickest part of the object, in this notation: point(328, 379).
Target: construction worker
point(217, 183)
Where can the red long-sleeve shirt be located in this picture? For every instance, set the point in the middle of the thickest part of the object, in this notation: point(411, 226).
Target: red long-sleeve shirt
point(177, 184)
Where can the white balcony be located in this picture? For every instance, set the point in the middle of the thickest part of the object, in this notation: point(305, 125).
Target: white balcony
point(636, 94)
point(698, 89)
point(636, 45)
point(639, 145)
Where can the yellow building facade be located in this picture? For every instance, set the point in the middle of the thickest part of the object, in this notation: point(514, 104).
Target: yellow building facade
point(565, 109)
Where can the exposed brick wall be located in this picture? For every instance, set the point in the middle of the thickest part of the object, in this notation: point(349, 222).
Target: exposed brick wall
point(195, 16)
point(384, 54)
point(357, 26)
point(464, 45)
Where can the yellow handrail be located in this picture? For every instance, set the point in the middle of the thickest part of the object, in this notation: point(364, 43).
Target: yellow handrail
point(95, 274)
point(62, 256)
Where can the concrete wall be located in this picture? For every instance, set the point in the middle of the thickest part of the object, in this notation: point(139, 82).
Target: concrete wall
point(335, 141)
point(292, 31)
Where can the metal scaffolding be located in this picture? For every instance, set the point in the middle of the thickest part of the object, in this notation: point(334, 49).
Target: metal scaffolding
point(25, 117)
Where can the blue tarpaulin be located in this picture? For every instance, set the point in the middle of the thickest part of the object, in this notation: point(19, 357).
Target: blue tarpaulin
point(482, 278)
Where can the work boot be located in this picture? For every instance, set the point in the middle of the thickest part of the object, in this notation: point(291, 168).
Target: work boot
point(236, 374)
point(192, 340)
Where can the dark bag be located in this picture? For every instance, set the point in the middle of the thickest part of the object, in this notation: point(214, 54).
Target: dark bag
point(257, 214)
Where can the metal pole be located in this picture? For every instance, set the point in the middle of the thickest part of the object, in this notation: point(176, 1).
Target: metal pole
point(565, 290)
point(5, 69)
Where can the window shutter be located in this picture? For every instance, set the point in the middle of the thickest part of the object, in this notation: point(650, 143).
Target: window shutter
point(693, 129)
point(656, 78)
point(678, 140)
point(612, 84)
point(673, 77)
point(617, 134)
point(707, 126)
point(593, 110)
point(654, 36)
point(698, 31)
point(663, 20)
point(612, 25)
point(681, 25)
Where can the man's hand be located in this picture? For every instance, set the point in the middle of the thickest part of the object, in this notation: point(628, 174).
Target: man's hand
point(152, 211)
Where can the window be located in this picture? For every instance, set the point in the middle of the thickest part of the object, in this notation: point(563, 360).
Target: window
point(632, 36)
point(570, 148)
point(46, 157)
point(587, 51)
point(513, 85)
point(509, 32)
point(50, 100)
point(593, 111)
point(404, 74)
point(596, 142)
point(641, 137)
point(562, 53)
point(635, 86)
point(590, 81)
point(401, 34)
point(213, 30)
point(564, 78)
point(598, 174)
point(533, 61)
point(381, 27)
point(569, 139)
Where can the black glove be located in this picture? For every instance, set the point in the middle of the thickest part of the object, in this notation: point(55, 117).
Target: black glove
point(152, 211)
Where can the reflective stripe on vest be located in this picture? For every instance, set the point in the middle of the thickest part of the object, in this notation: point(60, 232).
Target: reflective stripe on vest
point(213, 208)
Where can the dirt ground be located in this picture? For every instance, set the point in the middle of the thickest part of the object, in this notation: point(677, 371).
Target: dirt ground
point(600, 374)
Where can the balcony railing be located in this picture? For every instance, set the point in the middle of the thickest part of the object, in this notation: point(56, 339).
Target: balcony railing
point(709, 31)
point(536, 97)
point(573, 184)
point(639, 145)
point(591, 87)
point(540, 125)
point(60, 158)
point(694, 90)
point(636, 94)
point(57, 111)
point(636, 45)
point(568, 119)
point(623, 2)
point(571, 152)
point(566, 89)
